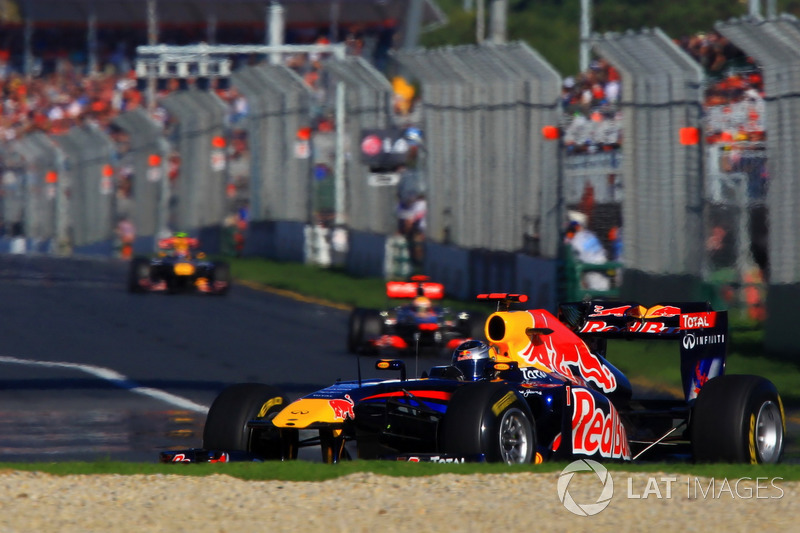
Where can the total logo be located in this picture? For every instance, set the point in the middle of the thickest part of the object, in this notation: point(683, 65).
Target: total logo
point(604, 485)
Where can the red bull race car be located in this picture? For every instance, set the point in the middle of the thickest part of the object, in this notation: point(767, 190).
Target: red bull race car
point(417, 324)
point(178, 267)
point(540, 389)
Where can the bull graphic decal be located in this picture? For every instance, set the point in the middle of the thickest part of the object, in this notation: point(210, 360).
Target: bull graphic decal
point(562, 359)
point(342, 408)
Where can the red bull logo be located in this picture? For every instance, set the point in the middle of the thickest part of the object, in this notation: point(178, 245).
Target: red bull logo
point(342, 408)
point(599, 310)
point(595, 430)
point(562, 351)
point(662, 311)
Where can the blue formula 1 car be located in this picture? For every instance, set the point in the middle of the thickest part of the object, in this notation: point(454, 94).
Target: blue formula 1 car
point(178, 267)
point(540, 389)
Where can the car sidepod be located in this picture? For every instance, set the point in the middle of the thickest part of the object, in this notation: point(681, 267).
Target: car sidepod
point(592, 427)
point(397, 418)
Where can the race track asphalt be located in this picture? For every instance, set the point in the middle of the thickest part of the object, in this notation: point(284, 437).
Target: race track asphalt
point(89, 371)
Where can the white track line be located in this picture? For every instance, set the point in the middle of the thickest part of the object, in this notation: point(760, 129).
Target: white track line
point(115, 378)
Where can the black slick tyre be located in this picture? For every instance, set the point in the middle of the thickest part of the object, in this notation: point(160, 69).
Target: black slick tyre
point(221, 274)
point(738, 419)
point(490, 419)
point(354, 327)
point(138, 271)
point(364, 324)
point(473, 325)
point(226, 423)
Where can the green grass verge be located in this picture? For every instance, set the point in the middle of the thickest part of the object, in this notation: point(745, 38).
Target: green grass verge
point(333, 285)
point(308, 471)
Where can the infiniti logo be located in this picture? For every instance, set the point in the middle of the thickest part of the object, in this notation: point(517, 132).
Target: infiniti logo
point(688, 341)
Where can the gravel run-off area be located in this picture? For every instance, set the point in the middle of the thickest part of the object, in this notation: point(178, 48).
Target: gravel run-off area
point(364, 502)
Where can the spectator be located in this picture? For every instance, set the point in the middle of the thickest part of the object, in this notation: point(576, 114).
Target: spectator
point(126, 234)
point(587, 249)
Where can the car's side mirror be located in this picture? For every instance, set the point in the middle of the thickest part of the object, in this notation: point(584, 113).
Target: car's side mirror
point(392, 364)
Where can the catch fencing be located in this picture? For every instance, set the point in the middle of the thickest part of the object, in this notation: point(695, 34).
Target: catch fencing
point(492, 179)
point(29, 187)
point(775, 46)
point(662, 205)
point(692, 212)
point(88, 172)
point(278, 106)
point(142, 161)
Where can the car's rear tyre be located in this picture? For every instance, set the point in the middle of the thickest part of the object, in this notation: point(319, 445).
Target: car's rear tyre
point(490, 419)
point(138, 271)
point(738, 419)
point(226, 423)
point(221, 275)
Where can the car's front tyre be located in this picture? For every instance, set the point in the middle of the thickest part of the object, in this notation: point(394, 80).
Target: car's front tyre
point(226, 423)
point(138, 274)
point(490, 419)
point(364, 324)
point(220, 278)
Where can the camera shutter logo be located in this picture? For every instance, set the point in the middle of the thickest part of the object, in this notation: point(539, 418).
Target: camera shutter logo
point(585, 509)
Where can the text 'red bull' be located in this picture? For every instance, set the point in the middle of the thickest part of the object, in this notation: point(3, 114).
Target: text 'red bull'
point(595, 431)
point(562, 350)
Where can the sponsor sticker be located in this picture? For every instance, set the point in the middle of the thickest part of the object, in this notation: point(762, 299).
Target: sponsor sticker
point(596, 429)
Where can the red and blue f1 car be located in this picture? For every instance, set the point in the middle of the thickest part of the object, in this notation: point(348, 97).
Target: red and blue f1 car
point(546, 392)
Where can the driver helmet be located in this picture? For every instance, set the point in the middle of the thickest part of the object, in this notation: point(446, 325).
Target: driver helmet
point(422, 305)
point(474, 359)
point(180, 243)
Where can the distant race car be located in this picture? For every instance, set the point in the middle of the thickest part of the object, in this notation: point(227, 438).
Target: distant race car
point(178, 267)
point(541, 389)
point(416, 324)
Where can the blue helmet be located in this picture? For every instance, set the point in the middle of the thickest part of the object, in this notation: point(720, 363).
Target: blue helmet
point(474, 359)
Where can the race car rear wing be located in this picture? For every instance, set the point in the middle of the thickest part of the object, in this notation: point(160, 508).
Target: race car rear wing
point(418, 286)
point(702, 332)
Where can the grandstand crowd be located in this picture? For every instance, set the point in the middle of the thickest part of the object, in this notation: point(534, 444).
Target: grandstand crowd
point(63, 95)
point(733, 98)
